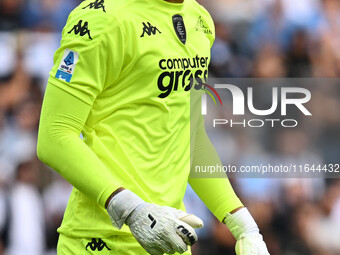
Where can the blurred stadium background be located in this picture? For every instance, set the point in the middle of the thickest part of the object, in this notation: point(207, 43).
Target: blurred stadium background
point(254, 38)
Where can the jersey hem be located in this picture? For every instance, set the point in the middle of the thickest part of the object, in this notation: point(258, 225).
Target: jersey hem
point(93, 233)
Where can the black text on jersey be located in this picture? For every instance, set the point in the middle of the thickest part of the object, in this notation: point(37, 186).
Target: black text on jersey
point(149, 29)
point(181, 73)
point(98, 4)
point(81, 29)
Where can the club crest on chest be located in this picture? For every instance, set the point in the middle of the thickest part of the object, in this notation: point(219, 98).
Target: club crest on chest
point(179, 27)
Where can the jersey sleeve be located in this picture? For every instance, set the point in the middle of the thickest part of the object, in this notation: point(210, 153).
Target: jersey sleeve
point(217, 193)
point(60, 147)
point(89, 59)
point(91, 54)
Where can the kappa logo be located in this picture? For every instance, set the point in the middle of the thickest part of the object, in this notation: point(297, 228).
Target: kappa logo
point(81, 29)
point(149, 29)
point(97, 245)
point(98, 4)
point(200, 26)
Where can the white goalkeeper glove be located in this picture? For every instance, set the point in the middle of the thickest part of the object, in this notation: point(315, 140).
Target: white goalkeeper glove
point(158, 229)
point(244, 229)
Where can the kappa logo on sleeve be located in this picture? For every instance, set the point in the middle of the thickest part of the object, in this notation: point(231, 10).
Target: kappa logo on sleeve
point(67, 65)
point(81, 29)
point(98, 4)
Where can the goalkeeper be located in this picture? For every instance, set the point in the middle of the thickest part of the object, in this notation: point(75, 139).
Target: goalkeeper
point(121, 78)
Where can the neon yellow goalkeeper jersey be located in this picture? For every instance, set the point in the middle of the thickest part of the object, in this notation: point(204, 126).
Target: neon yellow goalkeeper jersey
point(134, 62)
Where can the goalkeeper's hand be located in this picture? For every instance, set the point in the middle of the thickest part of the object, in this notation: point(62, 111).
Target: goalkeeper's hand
point(244, 229)
point(158, 229)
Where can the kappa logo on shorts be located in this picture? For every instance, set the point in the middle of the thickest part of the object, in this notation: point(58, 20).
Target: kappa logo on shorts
point(81, 29)
point(97, 245)
point(149, 29)
point(98, 4)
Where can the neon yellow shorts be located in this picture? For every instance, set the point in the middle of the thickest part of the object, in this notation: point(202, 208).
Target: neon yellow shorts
point(115, 245)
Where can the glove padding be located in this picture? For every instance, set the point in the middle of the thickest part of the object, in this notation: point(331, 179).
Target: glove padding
point(246, 232)
point(158, 229)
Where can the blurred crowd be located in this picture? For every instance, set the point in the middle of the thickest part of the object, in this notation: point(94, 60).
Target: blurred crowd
point(262, 39)
point(32, 197)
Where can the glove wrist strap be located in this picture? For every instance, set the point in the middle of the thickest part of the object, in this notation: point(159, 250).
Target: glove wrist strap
point(241, 223)
point(121, 206)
